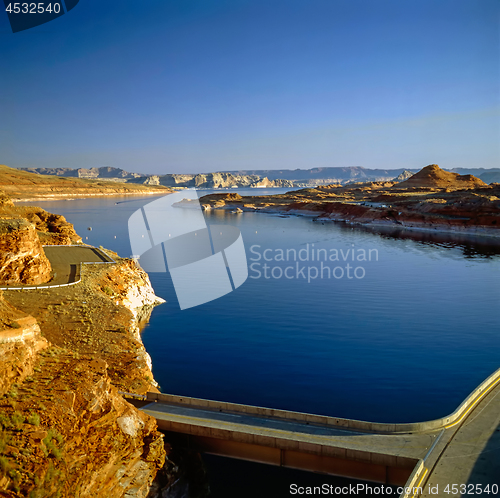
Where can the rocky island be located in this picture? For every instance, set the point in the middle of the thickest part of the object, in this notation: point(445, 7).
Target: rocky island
point(430, 199)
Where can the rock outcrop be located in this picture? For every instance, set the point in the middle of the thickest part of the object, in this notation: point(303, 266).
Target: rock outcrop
point(221, 180)
point(53, 229)
point(20, 342)
point(23, 230)
point(22, 259)
point(65, 428)
point(444, 201)
point(433, 176)
point(405, 175)
point(69, 430)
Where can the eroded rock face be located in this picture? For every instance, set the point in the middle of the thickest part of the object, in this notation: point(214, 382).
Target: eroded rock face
point(106, 439)
point(75, 431)
point(53, 229)
point(5, 200)
point(20, 341)
point(70, 431)
point(221, 180)
point(22, 259)
point(405, 175)
point(433, 176)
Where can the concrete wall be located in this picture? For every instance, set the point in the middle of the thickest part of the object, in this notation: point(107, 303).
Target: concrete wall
point(331, 463)
point(342, 423)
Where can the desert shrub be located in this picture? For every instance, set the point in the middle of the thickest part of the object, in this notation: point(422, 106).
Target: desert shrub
point(4, 439)
point(4, 465)
point(51, 448)
point(5, 421)
point(33, 419)
point(18, 419)
point(107, 290)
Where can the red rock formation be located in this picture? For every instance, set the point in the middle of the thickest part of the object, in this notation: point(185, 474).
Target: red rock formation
point(433, 176)
point(22, 259)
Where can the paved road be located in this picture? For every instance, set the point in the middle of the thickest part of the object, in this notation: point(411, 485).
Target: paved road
point(403, 445)
point(65, 262)
point(472, 455)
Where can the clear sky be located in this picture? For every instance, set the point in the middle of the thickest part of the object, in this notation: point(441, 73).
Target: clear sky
point(171, 86)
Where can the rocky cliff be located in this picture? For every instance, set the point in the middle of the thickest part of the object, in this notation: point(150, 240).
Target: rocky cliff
point(65, 428)
point(22, 259)
point(23, 230)
point(403, 176)
point(221, 180)
point(20, 342)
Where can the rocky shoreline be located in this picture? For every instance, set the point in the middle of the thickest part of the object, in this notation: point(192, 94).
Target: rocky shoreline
point(21, 185)
point(68, 353)
point(87, 195)
point(73, 370)
point(431, 200)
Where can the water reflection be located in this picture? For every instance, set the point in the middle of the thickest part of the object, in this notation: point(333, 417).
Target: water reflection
point(471, 246)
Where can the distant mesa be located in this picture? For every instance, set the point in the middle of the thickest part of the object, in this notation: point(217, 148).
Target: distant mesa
point(266, 178)
point(220, 180)
point(433, 176)
point(17, 183)
point(203, 181)
point(103, 172)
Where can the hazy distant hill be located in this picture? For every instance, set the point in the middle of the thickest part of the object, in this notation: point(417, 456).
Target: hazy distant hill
point(257, 177)
point(491, 177)
point(208, 180)
point(317, 175)
point(19, 184)
point(474, 171)
point(103, 172)
point(326, 175)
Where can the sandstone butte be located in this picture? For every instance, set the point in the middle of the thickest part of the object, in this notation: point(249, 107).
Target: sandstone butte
point(66, 353)
point(432, 199)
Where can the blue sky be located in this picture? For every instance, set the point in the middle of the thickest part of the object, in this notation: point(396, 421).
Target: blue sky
point(170, 86)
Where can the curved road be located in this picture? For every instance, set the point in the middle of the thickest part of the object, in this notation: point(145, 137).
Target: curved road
point(66, 261)
point(470, 455)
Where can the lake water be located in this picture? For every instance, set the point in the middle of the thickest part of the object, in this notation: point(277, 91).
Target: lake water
point(406, 338)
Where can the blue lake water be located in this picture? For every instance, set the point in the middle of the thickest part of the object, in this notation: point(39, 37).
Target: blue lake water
point(406, 342)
